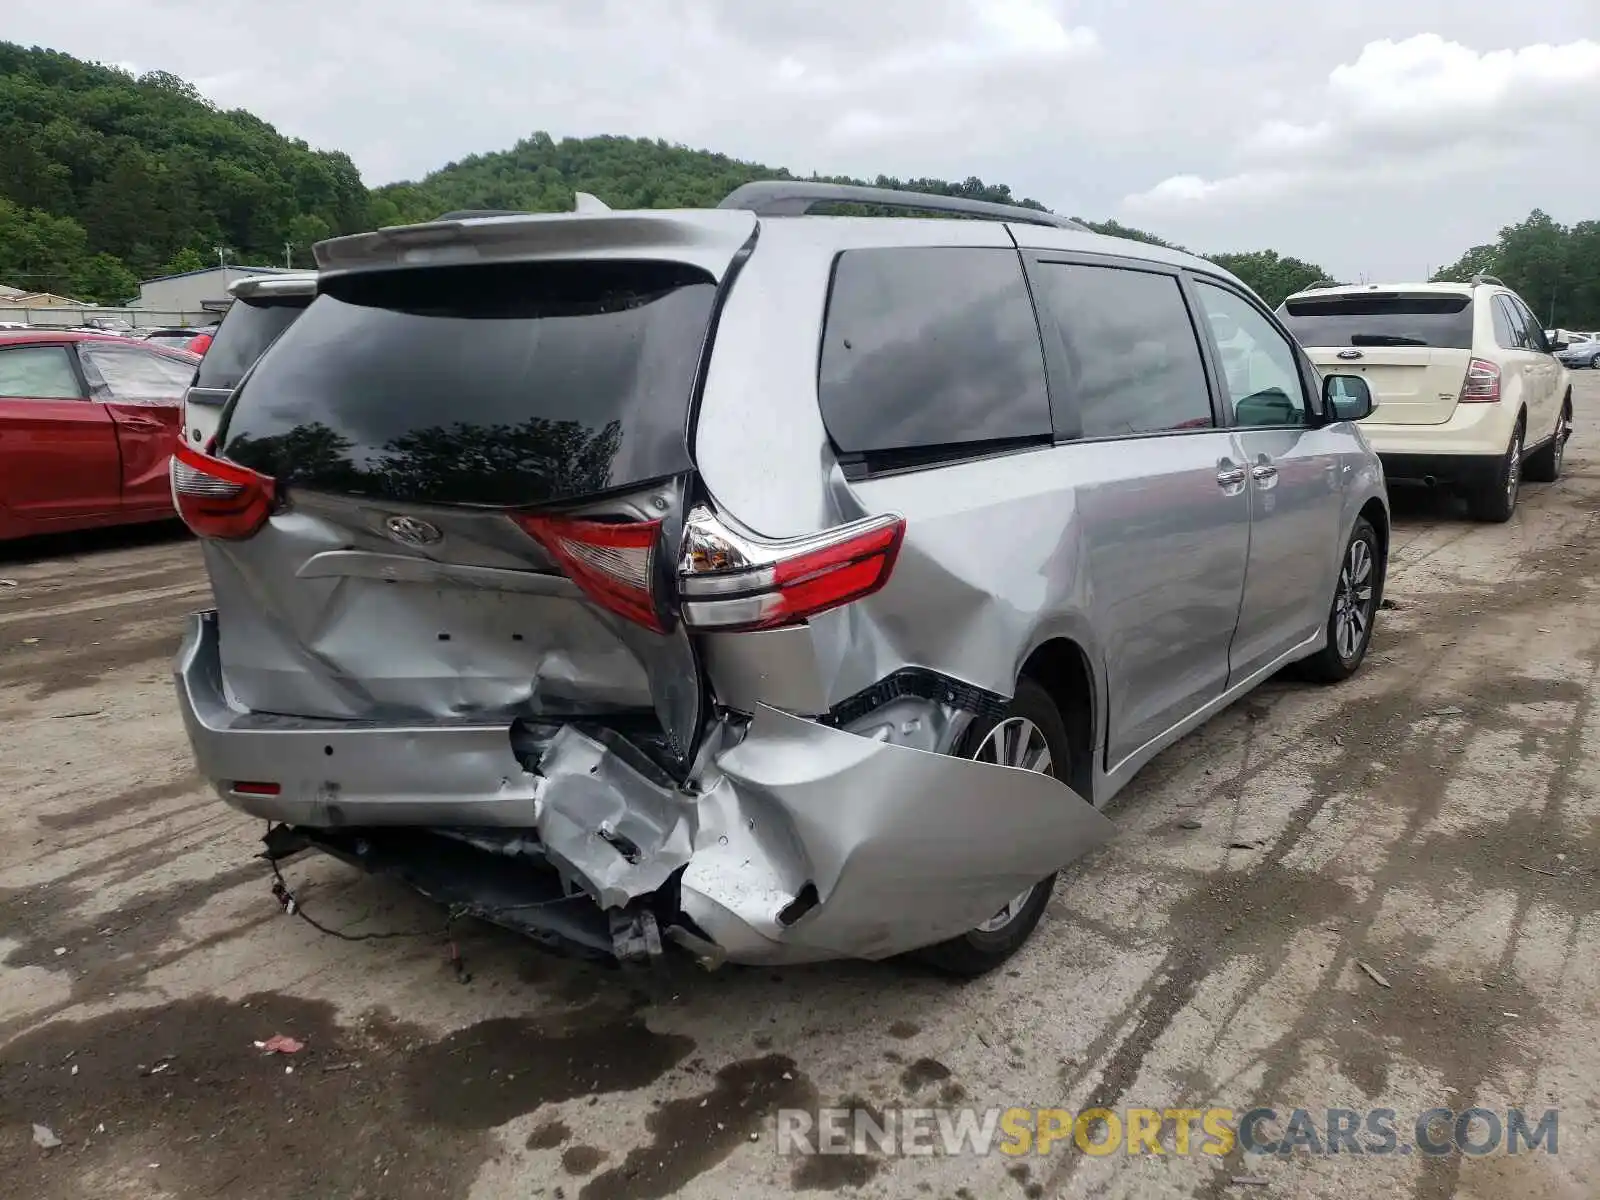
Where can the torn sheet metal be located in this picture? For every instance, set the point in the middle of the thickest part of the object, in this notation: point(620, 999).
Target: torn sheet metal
point(905, 848)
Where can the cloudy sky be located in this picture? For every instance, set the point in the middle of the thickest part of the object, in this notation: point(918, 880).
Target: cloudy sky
point(1379, 138)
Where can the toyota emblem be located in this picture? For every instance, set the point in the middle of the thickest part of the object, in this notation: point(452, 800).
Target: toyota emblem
point(412, 531)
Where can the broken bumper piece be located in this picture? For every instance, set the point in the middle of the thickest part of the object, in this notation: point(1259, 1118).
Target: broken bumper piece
point(797, 843)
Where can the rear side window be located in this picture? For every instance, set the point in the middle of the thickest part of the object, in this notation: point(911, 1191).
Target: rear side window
point(1132, 358)
point(245, 333)
point(495, 384)
point(1439, 319)
point(930, 347)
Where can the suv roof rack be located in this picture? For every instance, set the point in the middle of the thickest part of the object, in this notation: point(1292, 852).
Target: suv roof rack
point(1493, 279)
point(1321, 285)
point(796, 197)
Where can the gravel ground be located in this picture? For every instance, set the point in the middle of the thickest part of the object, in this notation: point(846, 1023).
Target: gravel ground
point(1435, 822)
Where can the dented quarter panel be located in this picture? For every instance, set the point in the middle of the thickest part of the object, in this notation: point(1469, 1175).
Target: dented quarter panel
point(905, 848)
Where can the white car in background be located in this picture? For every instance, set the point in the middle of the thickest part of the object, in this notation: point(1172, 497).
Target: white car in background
point(1468, 391)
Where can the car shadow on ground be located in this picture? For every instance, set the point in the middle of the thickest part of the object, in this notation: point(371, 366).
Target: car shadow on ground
point(56, 546)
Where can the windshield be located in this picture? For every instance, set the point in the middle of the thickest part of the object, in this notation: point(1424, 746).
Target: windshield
point(1433, 319)
point(504, 384)
point(248, 329)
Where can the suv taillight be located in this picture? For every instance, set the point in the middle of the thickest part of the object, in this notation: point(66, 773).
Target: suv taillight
point(1482, 384)
point(614, 563)
point(217, 498)
point(730, 580)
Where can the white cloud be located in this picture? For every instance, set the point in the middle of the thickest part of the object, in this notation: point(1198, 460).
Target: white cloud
point(1422, 108)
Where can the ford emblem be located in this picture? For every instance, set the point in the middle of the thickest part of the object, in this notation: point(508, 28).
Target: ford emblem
point(1349, 354)
point(412, 531)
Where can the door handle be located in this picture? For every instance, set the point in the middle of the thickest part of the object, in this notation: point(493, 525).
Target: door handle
point(1230, 476)
point(1263, 471)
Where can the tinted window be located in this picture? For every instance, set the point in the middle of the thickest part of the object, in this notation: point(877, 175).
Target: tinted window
point(498, 384)
point(1260, 364)
point(930, 347)
point(248, 329)
point(131, 376)
point(1438, 319)
point(39, 373)
point(1506, 334)
point(1536, 339)
point(1133, 362)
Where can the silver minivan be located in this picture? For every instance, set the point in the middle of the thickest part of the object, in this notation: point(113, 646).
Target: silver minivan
point(777, 586)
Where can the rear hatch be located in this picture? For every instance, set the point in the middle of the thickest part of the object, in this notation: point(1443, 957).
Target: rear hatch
point(1412, 347)
point(459, 446)
point(253, 322)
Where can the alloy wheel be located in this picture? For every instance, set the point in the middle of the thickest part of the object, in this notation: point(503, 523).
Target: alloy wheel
point(1014, 742)
point(1352, 607)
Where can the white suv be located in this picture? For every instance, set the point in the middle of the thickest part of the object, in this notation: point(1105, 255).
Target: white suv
point(1468, 392)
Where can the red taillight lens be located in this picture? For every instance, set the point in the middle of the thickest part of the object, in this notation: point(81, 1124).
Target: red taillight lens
point(614, 563)
point(734, 581)
point(217, 498)
point(247, 788)
point(1482, 384)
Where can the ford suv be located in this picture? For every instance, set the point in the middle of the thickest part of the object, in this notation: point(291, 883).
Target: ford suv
point(1467, 389)
point(779, 586)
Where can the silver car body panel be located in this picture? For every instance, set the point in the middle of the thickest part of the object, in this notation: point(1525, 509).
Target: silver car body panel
point(1178, 592)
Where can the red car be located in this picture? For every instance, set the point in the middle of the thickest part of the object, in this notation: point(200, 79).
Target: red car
point(87, 423)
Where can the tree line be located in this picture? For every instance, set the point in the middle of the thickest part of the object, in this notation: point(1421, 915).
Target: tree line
point(107, 178)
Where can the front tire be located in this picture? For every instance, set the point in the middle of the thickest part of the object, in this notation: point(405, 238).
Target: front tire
point(1496, 500)
point(1033, 736)
point(1354, 608)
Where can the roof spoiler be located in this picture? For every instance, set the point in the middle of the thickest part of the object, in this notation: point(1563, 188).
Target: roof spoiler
point(796, 198)
point(1490, 279)
point(266, 286)
point(582, 202)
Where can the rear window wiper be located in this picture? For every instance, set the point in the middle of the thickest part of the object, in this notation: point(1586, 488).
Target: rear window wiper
point(1384, 339)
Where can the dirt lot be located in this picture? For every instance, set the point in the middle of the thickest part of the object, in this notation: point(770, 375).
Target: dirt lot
point(1437, 819)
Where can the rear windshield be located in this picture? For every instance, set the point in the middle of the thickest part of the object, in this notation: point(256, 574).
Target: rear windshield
point(504, 384)
point(1381, 319)
point(248, 329)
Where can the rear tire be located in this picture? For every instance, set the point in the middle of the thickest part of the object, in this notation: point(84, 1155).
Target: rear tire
point(1354, 609)
point(1496, 500)
point(981, 950)
point(1545, 466)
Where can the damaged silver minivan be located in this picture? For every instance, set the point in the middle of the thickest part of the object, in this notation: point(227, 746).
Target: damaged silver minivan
point(779, 586)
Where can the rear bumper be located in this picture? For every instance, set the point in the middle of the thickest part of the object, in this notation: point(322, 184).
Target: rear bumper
point(795, 842)
point(1448, 470)
point(1458, 450)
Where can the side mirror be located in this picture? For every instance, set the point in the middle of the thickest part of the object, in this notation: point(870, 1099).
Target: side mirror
point(1558, 343)
point(1346, 398)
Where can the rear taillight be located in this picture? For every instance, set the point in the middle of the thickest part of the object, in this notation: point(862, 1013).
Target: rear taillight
point(1482, 385)
point(730, 580)
point(614, 563)
point(217, 498)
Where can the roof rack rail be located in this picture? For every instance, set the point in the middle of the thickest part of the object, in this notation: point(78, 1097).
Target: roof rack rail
point(796, 197)
point(1494, 279)
point(1320, 285)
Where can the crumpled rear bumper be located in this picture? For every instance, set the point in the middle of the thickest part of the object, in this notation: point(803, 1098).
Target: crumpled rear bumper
point(796, 842)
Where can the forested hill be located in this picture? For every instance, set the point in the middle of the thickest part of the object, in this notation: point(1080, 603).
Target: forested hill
point(107, 178)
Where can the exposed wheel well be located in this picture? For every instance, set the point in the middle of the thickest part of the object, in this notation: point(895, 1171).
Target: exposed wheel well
point(1062, 669)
